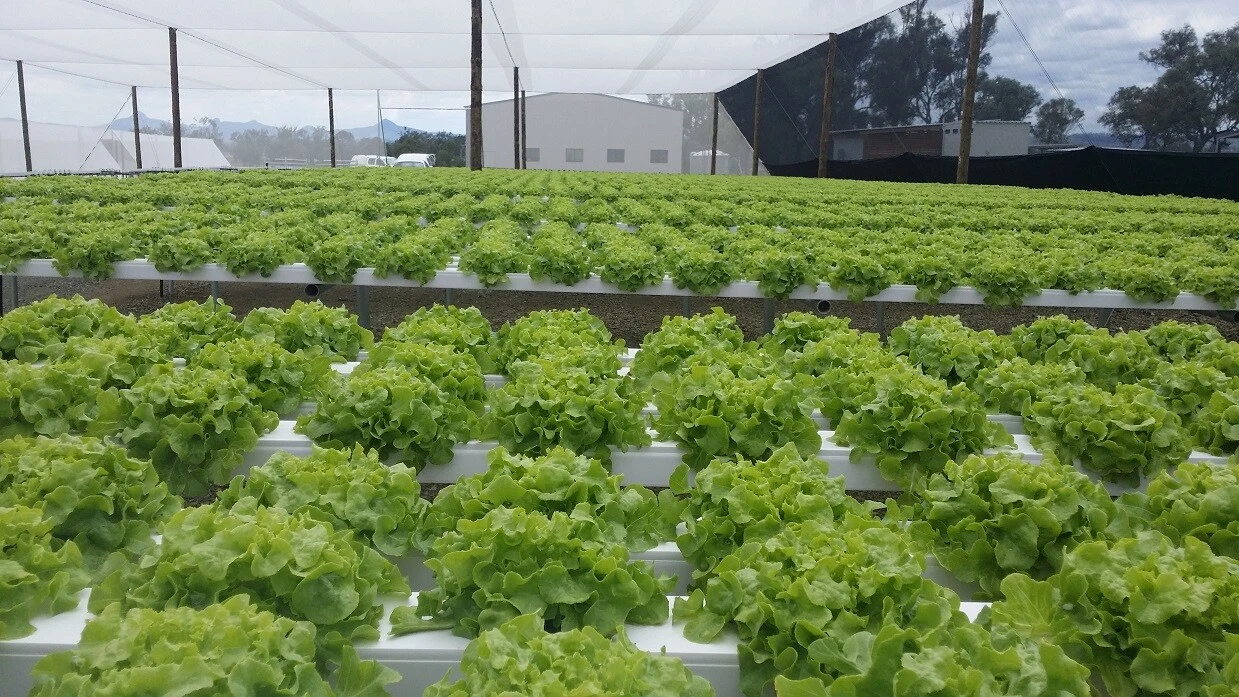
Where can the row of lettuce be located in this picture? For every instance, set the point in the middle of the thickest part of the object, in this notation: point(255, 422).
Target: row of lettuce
point(859, 238)
point(1123, 405)
point(267, 589)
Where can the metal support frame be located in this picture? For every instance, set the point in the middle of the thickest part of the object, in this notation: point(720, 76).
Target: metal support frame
point(175, 71)
point(214, 294)
point(448, 296)
point(363, 306)
point(331, 123)
point(378, 105)
point(475, 88)
point(767, 315)
point(1104, 315)
point(524, 133)
point(137, 138)
point(516, 117)
point(2, 279)
point(714, 137)
point(879, 319)
point(970, 91)
point(757, 123)
point(823, 143)
point(686, 306)
point(21, 102)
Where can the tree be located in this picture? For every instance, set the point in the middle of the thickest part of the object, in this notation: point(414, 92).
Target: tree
point(1004, 99)
point(448, 148)
point(1055, 118)
point(1194, 100)
point(918, 69)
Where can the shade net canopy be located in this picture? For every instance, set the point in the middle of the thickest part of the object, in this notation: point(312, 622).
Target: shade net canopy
point(637, 46)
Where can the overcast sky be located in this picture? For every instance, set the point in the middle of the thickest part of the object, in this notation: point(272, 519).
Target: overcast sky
point(1088, 47)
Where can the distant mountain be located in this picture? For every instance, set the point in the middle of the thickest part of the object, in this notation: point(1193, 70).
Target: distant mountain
point(391, 129)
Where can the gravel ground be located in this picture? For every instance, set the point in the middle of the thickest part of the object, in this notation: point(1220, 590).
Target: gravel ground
point(629, 317)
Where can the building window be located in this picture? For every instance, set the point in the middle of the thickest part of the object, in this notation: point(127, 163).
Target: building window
point(574, 154)
point(658, 157)
point(533, 154)
point(615, 154)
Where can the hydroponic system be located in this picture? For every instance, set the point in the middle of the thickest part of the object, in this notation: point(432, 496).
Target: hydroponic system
point(195, 502)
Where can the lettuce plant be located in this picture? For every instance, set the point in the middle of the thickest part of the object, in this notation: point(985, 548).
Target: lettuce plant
point(559, 481)
point(1149, 616)
point(310, 326)
point(194, 424)
point(1122, 435)
point(944, 348)
point(32, 332)
point(732, 502)
point(290, 564)
point(277, 380)
point(1033, 340)
point(1195, 500)
point(464, 329)
point(1176, 341)
point(50, 399)
point(547, 404)
point(354, 490)
point(231, 647)
point(40, 575)
point(559, 255)
point(91, 492)
point(182, 329)
point(989, 516)
point(711, 411)
point(679, 338)
point(1216, 426)
point(394, 411)
point(519, 653)
point(793, 331)
point(454, 372)
point(543, 332)
point(1011, 387)
point(512, 562)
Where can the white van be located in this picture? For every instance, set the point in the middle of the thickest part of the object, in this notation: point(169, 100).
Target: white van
point(369, 161)
point(416, 159)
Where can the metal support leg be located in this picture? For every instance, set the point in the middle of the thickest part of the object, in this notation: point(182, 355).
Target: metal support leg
point(448, 296)
point(363, 306)
point(162, 291)
point(1104, 315)
point(214, 294)
point(171, 290)
point(879, 318)
point(17, 292)
point(1, 295)
point(767, 316)
point(686, 306)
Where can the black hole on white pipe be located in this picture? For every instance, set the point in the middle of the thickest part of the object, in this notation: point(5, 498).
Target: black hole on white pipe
point(312, 290)
point(823, 306)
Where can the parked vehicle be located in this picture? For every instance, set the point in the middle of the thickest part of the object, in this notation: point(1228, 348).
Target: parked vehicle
point(416, 159)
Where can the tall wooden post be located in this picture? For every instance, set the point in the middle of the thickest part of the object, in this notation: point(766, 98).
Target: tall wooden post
point(137, 138)
point(21, 103)
point(516, 117)
point(757, 123)
point(714, 137)
point(970, 91)
point(176, 99)
point(331, 124)
point(475, 89)
point(823, 143)
point(524, 133)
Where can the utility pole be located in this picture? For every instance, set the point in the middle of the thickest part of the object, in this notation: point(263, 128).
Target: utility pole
point(475, 89)
point(137, 139)
point(757, 123)
point(176, 99)
point(823, 151)
point(331, 124)
point(516, 117)
point(21, 102)
point(970, 91)
point(713, 138)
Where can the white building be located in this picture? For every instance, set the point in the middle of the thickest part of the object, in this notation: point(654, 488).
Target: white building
point(989, 139)
point(585, 132)
point(61, 148)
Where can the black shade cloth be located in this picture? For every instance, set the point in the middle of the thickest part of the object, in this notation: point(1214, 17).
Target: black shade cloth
point(1139, 172)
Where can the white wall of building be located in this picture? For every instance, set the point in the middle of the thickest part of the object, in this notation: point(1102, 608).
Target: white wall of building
point(591, 123)
point(989, 138)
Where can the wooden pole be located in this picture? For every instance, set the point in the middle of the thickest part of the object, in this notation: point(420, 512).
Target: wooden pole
point(516, 117)
point(970, 91)
point(475, 89)
point(823, 143)
point(524, 133)
point(757, 123)
point(137, 139)
point(714, 137)
point(331, 124)
point(176, 99)
point(21, 102)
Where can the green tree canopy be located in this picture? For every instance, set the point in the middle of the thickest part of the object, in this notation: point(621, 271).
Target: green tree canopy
point(1055, 118)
